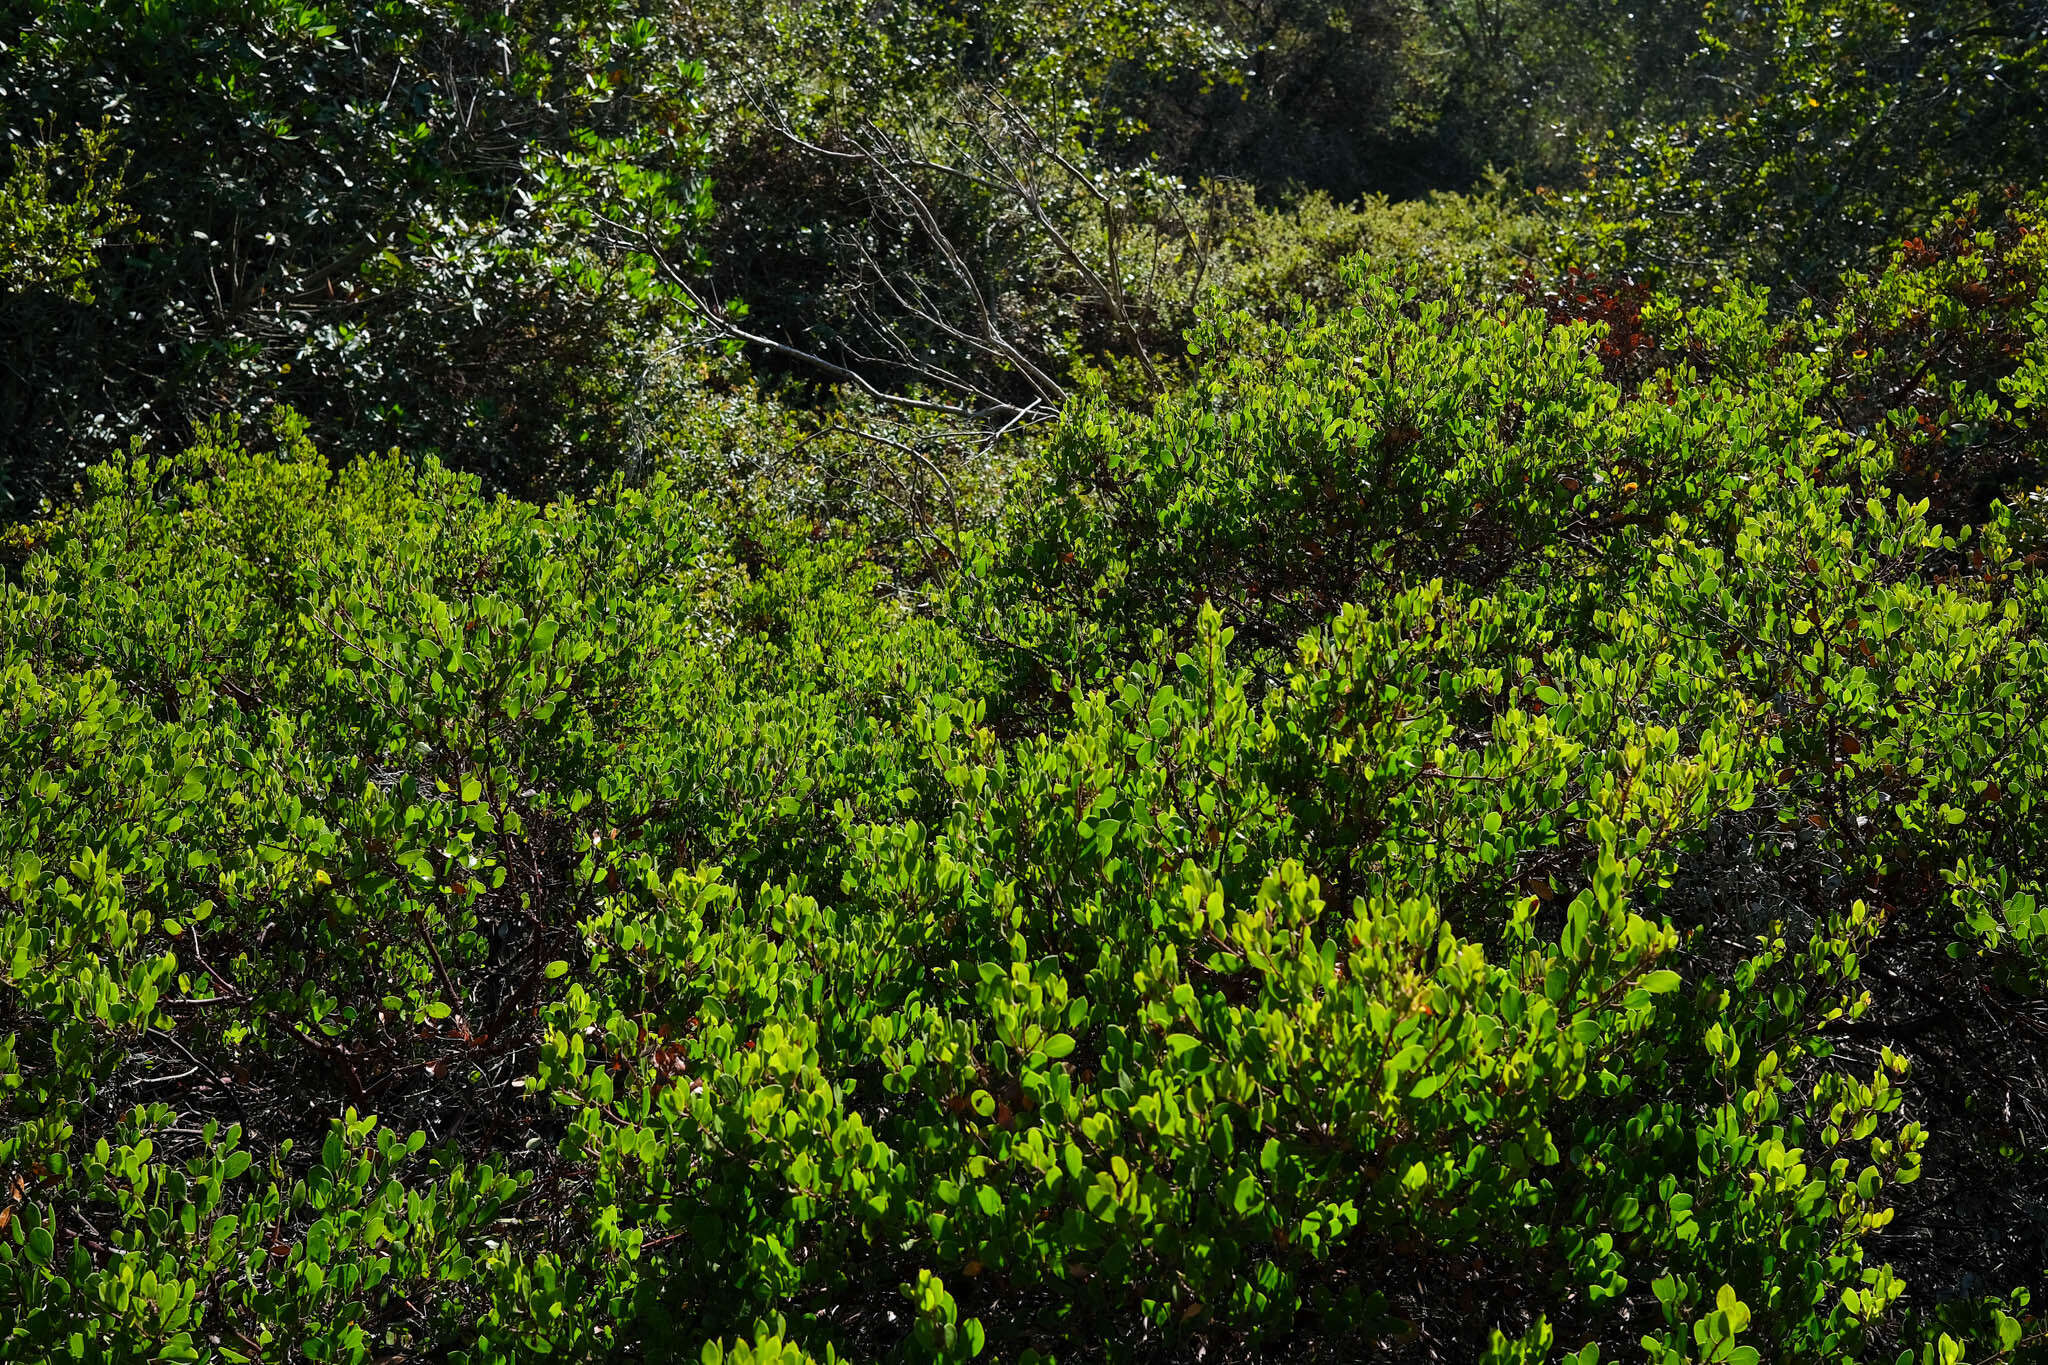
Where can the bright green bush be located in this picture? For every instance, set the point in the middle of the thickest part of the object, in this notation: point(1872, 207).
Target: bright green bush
point(314, 804)
point(1454, 831)
point(52, 233)
point(1423, 430)
point(1103, 1049)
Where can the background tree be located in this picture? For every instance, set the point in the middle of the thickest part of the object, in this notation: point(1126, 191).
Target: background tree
point(414, 220)
point(1812, 133)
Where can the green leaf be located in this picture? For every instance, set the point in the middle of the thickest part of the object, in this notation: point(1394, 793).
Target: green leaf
point(2007, 1328)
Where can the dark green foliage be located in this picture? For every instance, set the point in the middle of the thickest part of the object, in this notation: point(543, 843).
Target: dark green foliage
point(1939, 355)
point(1817, 132)
point(1360, 96)
point(962, 195)
point(419, 221)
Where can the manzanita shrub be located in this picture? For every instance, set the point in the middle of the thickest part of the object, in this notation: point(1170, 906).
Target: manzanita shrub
point(311, 782)
point(1418, 845)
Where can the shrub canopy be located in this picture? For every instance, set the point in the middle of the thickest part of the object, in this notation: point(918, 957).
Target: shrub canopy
point(992, 750)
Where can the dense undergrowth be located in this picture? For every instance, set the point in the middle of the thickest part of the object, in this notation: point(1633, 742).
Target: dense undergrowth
point(1129, 772)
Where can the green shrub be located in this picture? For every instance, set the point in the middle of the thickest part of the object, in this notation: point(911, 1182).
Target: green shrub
point(420, 222)
point(310, 780)
point(1424, 430)
point(1815, 132)
point(1512, 838)
point(1103, 1048)
point(46, 243)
